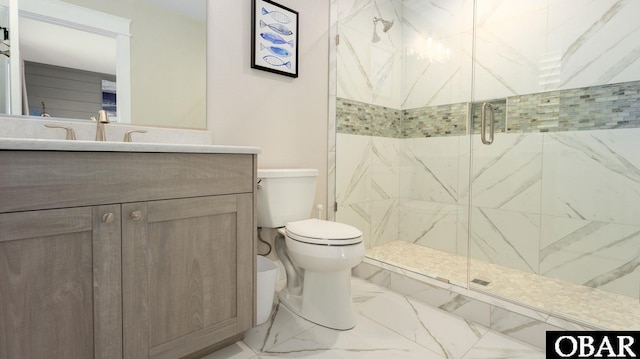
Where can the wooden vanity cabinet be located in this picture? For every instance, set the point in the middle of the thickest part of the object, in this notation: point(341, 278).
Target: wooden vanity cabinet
point(60, 294)
point(185, 285)
point(125, 255)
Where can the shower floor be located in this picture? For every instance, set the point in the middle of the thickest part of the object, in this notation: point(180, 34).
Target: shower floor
point(572, 301)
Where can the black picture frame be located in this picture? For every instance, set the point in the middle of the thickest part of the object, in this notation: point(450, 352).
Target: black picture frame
point(274, 38)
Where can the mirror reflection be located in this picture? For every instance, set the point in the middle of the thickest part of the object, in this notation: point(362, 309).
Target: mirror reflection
point(151, 71)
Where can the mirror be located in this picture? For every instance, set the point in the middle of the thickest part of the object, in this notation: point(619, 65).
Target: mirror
point(151, 71)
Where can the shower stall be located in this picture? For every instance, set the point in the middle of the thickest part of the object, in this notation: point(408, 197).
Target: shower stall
point(495, 146)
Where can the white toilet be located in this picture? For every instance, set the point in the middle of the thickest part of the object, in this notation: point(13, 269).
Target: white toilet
point(317, 255)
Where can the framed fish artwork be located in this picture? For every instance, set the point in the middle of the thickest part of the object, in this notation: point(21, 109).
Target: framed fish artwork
point(274, 45)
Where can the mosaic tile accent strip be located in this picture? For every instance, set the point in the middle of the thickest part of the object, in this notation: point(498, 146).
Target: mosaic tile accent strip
point(435, 121)
point(359, 118)
point(499, 115)
point(612, 106)
point(588, 108)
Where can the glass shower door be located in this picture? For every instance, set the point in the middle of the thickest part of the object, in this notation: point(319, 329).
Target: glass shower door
point(401, 127)
point(554, 220)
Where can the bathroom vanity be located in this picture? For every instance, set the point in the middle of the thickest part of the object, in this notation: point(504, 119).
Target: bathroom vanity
point(112, 250)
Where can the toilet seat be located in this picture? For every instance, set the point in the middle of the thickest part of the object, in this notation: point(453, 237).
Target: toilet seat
point(319, 232)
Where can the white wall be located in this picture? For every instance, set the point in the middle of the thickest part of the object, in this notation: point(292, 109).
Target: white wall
point(286, 117)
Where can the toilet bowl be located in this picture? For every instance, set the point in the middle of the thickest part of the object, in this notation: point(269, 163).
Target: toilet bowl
point(326, 252)
point(317, 255)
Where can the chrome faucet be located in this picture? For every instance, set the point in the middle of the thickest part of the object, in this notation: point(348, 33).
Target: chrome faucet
point(102, 119)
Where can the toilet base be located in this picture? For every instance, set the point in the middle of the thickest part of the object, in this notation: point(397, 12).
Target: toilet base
point(326, 300)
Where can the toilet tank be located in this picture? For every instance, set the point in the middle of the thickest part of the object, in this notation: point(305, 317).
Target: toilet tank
point(285, 195)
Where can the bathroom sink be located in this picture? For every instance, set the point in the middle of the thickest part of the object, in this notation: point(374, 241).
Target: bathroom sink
point(97, 146)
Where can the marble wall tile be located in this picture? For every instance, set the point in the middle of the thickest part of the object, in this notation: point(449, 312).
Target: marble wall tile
point(508, 305)
point(415, 288)
point(385, 166)
point(598, 46)
point(463, 209)
point(597, 254)
point(384, 221)
point(373, 274)
point(556, 321)
point(463, 237)
point(592, 175)
point(430, 169)
point(403, 272)
point(531, 46)
point(429, 224)
point(438, 83)
point(509, 48)
point(437, 40)
point(507, 174)
point(515, 180)
point(359, 216)
point(443, 299)
point(507, 238)
point(353, 171)
point(333, 47)
point(370, 71)
point(520, 327)
point(367, 186)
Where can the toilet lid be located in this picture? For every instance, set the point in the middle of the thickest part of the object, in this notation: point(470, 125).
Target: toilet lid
point(316, 231)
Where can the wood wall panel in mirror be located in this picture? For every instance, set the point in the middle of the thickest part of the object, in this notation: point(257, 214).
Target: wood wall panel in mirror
point(159, 63)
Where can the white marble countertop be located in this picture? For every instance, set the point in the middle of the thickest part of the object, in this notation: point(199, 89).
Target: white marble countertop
point(26, 144)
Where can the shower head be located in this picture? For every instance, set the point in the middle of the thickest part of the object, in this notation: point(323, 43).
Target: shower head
point(386, 24)
point(375, 38)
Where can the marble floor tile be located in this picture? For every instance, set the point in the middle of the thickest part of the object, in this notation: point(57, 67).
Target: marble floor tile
point(494, 345)
point(237, 350)
point(281, 326)
point(363, 291)
point(448, 335)
point(388, 325)
point(368, 340)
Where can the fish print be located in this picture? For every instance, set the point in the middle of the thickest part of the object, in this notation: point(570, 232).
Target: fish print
point(277, 16)
point(278, 51)
point(276, 61)
point(280, 29)
point(275, 39)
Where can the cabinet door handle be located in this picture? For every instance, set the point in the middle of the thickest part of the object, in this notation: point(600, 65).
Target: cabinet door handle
point(136, 215)
point(108, 217)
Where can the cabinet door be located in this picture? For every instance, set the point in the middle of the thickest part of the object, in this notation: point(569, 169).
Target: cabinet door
point(60, 283)
point(188, 274)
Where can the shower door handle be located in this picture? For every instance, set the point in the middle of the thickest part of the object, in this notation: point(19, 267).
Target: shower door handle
point(483, 123)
